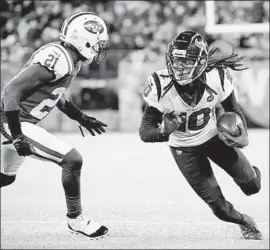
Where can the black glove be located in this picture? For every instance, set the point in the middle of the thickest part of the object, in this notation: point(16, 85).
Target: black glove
point(23, 146)
point(235, 141)
point(92, 124)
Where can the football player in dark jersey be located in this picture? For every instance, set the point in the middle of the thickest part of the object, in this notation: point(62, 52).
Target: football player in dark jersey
point(34, 92)
point(180, 108)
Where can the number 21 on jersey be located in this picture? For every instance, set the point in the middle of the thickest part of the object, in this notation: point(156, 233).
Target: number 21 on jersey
point(51, 61)
point(44, 108)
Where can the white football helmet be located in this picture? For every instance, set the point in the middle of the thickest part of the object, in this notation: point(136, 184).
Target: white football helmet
point(87, 32)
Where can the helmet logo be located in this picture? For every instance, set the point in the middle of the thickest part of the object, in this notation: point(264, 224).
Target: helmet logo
point(93, 27)
point(200, 44)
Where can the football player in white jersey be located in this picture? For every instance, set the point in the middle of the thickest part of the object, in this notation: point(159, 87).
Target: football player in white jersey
point(34, 92)
point(181, 101)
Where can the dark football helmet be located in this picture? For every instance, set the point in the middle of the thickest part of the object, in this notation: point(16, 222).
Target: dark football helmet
point(186, 57)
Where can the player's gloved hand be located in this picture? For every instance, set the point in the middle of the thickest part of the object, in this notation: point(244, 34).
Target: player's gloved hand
point(92, 124)
point(171, 122)
point(235, 141)
point(23, 146)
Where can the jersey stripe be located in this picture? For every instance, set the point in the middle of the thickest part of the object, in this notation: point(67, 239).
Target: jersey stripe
point(158, 85)
point(68, 57)
point(4, 131)
point(72, 17)
point(46, 152)
point(44, 157)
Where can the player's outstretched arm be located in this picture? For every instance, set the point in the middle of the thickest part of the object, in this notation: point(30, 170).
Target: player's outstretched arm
point(26, 80)
point(230, 104)
point(149, 130)
point(73, 112)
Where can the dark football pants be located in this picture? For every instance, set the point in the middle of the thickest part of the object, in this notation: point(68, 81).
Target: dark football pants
point(195, 165)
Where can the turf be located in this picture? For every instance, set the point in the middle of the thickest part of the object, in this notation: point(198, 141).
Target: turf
point(137, 191)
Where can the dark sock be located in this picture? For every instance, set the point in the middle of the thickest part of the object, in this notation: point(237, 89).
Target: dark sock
point(73, 206)
point(71, 184)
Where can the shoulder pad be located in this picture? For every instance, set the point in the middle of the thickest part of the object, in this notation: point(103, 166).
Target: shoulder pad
point(159, 79)
point(55, 58)
point(152, 90)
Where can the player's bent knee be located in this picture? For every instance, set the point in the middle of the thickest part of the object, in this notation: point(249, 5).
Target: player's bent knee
point(251, 187)
point(72, 160)
point(6, 180)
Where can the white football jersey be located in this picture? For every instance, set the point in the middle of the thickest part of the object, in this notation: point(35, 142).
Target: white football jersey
point(200, 124)
point(55, 58)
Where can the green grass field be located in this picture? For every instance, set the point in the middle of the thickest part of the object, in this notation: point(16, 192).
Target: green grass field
point(137, 191)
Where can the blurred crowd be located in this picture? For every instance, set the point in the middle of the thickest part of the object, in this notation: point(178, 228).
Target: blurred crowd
point(242, 12)
point(139, 32)
point(27, 24)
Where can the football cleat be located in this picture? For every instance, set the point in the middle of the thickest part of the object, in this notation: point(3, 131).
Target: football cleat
point(82, 225)
point(250, 230)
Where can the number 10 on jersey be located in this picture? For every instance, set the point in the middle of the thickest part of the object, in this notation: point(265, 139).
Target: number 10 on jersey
point(196, 120)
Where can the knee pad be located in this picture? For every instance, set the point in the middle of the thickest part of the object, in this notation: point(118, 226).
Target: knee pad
point(6, 180)
point(72, 161)
point(254, 185)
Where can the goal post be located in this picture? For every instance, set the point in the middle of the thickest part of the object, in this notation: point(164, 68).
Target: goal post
point(252, 85)
point(212, 27)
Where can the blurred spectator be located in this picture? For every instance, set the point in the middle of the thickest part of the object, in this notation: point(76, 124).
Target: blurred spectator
point(5, 14)
point(131, 24)
point(139, 34)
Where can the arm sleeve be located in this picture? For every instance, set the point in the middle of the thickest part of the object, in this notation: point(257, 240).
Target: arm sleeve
point(55, 59)
point(149, 130)
point(69, 108)
point(230, 104)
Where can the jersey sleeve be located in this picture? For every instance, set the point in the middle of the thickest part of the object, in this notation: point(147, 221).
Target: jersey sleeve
point(150, 93)
point(55, 59)
point(227, 84)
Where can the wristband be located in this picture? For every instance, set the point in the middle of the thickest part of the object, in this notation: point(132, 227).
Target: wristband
point(14, 125)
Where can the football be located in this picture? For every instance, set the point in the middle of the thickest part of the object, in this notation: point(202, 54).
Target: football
point(228, 123)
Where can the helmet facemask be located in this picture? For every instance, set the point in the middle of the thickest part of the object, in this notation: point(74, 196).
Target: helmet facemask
point(186, 60)
point(100, 49)
point(96, 52)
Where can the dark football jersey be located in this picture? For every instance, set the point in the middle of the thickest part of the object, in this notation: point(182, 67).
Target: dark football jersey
point(37, 103)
